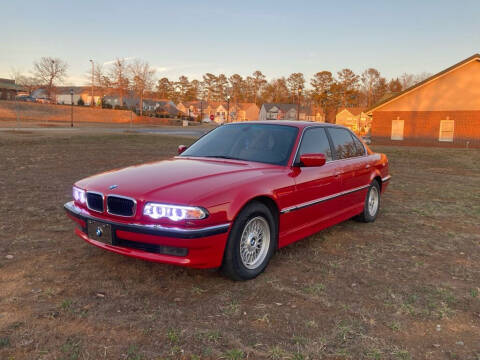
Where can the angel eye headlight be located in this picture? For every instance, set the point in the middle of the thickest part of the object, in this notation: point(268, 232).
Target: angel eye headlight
point(174, 212)
point(79, 195)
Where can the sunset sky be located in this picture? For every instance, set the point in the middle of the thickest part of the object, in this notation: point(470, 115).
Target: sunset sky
point(276, 37)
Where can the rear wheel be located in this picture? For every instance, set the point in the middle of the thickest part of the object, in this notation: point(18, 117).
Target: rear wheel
point(372, 203)
point(251, 243)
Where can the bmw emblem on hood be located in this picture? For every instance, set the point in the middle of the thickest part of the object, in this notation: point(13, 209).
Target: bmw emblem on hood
point(111, 187)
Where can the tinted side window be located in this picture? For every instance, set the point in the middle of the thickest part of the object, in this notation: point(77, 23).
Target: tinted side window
point(342, 143)
point(315, 141)
point(359, 146)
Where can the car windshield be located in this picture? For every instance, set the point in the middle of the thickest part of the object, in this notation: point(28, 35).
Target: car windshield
point(271, 144)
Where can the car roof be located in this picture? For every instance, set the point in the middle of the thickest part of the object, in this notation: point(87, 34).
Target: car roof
point(296, 123)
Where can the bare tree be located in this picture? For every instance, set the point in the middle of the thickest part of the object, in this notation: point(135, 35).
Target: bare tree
point(102, 80)
point(119, 77)
point(142, 75)
point(50, 71)
point(29, 83)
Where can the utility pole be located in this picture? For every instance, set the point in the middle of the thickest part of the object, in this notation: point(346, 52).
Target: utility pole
point(201, 110)
point(16, 109)
point(71, 108)
point(298, 104)
point(228, 108)
point(93, 72)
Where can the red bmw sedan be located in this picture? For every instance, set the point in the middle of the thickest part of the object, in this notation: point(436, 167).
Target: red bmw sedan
point(233, 197)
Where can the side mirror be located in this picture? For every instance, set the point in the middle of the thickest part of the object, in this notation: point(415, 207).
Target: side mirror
point(309, 160)
point(181, 149)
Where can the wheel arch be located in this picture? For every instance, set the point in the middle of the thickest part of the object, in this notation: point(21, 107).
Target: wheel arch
point(376, 176)
point(270, 203)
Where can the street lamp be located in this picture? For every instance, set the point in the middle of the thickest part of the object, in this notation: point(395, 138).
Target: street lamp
point(228, 107)
point(71, 108)
point(93, 71)
point(298, 104)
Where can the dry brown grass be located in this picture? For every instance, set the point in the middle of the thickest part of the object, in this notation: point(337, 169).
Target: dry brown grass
point(355, 291)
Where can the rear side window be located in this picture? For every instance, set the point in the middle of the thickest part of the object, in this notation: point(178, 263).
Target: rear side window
point(315, 141)
point(343, 143)
point(359, 146)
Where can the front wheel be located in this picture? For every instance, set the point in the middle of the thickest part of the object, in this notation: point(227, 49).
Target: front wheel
point(372, 203)
point(251, 243)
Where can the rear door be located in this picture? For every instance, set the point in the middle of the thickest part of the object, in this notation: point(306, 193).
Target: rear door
point(315, 187)
point(351, 163)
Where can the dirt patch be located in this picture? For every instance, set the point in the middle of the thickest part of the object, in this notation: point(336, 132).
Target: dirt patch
point(404, 287)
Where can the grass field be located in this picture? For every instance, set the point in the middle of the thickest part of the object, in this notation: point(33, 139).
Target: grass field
point(404, 287)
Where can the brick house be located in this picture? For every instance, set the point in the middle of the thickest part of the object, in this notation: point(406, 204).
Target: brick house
point(443, 110)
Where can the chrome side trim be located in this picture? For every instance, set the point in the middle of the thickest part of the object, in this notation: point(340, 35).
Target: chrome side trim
point(96, 193)
point(134, 211)
point(386, 178)
point(322, 199)
point(157, 230)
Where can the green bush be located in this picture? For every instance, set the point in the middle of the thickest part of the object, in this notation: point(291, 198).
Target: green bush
point(80, 102)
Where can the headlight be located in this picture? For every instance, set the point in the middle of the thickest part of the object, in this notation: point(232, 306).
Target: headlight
point(79, 195)
point(174, 212)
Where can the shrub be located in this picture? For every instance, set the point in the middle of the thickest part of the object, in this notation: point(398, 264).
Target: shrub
point(80, 102)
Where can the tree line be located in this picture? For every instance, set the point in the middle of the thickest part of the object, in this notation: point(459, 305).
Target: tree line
point(324, 90)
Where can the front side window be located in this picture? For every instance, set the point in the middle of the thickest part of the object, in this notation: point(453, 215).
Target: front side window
point(315, 141)
point(343, 143)
point(264, 143)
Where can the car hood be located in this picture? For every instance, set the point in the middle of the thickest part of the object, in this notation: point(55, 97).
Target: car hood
point(178, 180)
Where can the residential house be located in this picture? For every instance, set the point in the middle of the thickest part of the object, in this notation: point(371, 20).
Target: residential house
point(441, 110)
point(272, 111)
point(197, 109)
point(9, 89)
point(243, 112)
point(162, 106)
point(355, 118)
point(63, 95)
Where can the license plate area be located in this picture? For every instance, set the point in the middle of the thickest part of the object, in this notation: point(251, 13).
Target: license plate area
point(99, 231)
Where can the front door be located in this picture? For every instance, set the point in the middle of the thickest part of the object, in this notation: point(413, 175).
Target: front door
point(315, 189)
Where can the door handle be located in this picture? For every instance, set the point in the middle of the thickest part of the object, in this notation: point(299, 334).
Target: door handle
point(367, 166)
point(338, 173)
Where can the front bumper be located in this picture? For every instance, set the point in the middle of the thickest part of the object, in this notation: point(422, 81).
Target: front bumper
point(203, 247)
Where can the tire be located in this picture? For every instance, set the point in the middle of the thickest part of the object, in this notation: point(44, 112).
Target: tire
point(241, 261)
point(371, 206)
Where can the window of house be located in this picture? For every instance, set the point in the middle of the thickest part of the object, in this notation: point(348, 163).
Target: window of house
point(446, 130)
point(315, 141)
point(343, 143)
point(397, 129)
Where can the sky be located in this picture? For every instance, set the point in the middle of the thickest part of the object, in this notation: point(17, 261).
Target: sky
point(279, 37)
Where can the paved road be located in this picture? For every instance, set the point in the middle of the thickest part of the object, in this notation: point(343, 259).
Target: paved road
point(161, 131)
